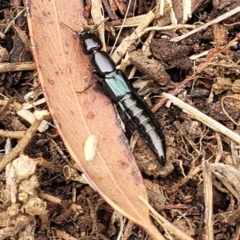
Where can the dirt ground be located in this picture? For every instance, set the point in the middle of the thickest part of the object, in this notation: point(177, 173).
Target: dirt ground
point(202, 70)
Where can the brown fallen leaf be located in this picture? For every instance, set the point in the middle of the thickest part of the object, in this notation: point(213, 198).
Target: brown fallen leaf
point(64, 71)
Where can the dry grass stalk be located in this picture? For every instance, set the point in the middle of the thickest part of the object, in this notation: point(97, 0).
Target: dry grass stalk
point(126, 42)
point(204, 26)
point(134, 21)
point(49, 198)
point(208, 200)
point(170, 27)
point(98, 18)
point(190, 176)
point(211, 123)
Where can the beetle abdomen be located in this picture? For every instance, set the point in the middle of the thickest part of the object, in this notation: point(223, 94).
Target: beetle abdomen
point(142, 117)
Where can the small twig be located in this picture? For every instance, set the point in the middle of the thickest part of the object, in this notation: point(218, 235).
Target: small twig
point(189, 176)
point(134, 21)
point(170, 27)
point(12, 22)
point(172, 14)
point(122, 48)
point(121, 28)
point(48, 165)
point(220, 148)
point(30, 105)
point(23, 142)
point(12, 134)
point(17, 106)
point(5, 108)
point(49, 198)
point(208, 199)
point(126, 42)
point(97, 13)
point(187, 11)
point(161, 7)
point(216, 20)
point(17, 66)
point(211, 123)
point(196, 56)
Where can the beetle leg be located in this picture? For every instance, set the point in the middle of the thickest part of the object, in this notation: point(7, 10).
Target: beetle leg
point(90, 85)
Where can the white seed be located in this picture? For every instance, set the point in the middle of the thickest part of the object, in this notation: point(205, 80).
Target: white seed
point(90, 148)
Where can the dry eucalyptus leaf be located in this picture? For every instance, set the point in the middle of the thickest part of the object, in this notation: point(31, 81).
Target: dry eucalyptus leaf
point(64, 71)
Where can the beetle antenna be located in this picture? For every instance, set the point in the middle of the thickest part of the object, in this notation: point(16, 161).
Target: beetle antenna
point(68, 27)
point(95, 27)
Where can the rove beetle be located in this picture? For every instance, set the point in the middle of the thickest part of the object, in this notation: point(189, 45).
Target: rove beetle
point(117, 87)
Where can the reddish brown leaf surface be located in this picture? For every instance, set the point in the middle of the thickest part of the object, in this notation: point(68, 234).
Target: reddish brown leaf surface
point(63, 71)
